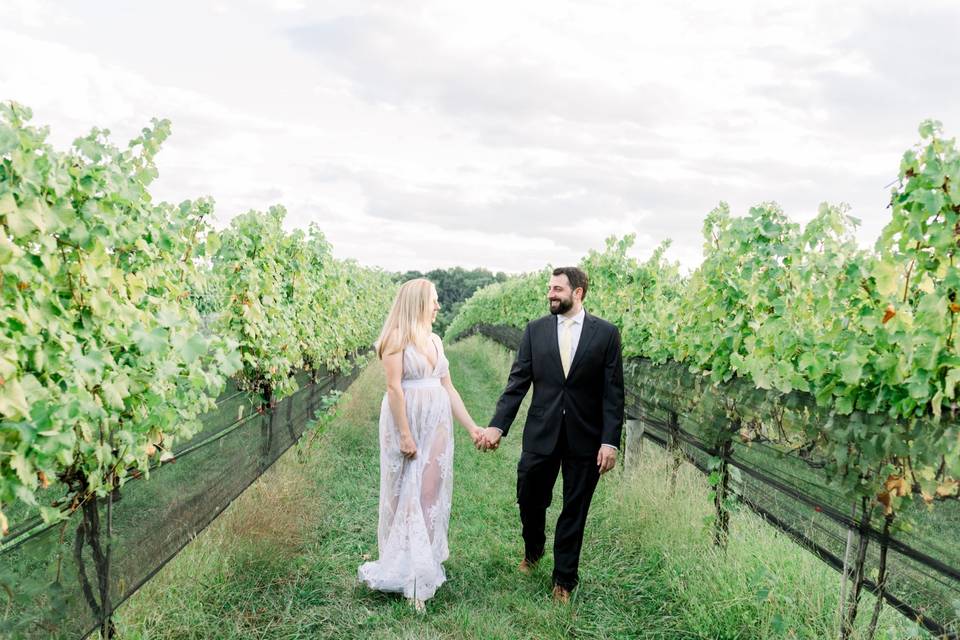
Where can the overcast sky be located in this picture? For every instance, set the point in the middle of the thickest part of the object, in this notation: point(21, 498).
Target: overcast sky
point(506, 135)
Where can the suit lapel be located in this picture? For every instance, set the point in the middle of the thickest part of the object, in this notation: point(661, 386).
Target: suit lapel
point(554, 346)
point(586, 335)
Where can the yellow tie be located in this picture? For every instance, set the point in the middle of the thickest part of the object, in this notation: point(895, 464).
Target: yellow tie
point(565, 345)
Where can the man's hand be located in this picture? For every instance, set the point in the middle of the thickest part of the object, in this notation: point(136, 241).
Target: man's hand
point(491, 439)
point(606, 458)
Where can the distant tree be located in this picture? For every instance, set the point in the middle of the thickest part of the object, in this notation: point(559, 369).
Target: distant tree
point(454, 286)
point(407, 275)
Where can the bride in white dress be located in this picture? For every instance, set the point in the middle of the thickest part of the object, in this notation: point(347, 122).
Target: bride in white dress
point(416, 449)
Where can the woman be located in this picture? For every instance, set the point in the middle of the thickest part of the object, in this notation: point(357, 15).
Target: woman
point(416, 449)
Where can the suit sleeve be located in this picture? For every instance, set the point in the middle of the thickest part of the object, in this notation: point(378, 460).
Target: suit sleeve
point(613, 392)
point(521, 375)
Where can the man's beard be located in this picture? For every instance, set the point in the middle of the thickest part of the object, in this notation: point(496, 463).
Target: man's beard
point(562, 306)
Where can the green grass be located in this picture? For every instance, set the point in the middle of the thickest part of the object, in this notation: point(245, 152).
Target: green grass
point(282, 561)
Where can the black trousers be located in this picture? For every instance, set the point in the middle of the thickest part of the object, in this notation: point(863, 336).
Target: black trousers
point(536, 476)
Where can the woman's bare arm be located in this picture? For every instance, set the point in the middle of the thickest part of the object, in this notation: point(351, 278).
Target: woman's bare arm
point(393, 367)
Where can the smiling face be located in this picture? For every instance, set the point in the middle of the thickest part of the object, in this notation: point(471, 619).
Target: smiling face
point(562, 297)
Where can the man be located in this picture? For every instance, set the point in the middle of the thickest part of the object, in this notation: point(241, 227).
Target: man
point(573, 361)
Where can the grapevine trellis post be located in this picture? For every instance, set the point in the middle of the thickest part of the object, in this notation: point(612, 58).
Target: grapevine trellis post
point(642, 428)
point(881, 576)
point(266, 428)
point(673, 423)
point(290, 431)
point(854, 574)
point(107, 628)
point(721, 482)
point(632, 440)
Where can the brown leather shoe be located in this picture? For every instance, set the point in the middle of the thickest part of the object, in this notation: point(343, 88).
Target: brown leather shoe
point(561, 595)
point(526, 567)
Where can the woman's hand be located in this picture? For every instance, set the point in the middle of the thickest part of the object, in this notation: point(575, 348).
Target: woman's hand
point(476, 434)
point(408, 447)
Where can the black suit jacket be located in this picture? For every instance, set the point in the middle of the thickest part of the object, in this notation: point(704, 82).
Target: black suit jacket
point(589, 402)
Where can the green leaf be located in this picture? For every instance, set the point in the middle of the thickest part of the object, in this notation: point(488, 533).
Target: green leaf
point(115, 391)
point(8, 205)
point(52, 515)
point(101, 303)
point(169, 317)
point(24, 470)
point(19, 223)
point(8, 365)
point(851, 369)
point(844, 406)
point(8, 139)
point(150, 342)
point(929, 128)
point(136, 286)
point(930, 199)
point(888, 278)
point(936, 402)
point(13, 401)
point(194, 347)
point(950, 382)
point(212, 244)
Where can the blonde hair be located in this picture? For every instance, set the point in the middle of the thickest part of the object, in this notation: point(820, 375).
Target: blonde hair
point(409, 318)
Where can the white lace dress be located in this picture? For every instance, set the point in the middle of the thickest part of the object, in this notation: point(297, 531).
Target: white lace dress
point(415, 495)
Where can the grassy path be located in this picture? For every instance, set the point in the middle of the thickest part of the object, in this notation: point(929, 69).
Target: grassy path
point(282, 561)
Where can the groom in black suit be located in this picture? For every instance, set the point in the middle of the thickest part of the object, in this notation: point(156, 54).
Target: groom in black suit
point(573, 361)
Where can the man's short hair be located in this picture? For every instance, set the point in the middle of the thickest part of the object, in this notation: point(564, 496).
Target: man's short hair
point(577, 277)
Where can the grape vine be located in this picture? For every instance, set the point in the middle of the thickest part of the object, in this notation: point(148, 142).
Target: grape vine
point(122, 318)
point(870, 334)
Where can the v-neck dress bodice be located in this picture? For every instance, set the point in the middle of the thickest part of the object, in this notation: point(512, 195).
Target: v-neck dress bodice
point(416, 366)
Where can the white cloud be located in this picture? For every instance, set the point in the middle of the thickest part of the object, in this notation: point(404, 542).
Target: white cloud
point(32, 13)
point(290, 5)
point(504, 134)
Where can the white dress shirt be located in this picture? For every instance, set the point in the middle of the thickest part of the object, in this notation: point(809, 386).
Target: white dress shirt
point(575, 330)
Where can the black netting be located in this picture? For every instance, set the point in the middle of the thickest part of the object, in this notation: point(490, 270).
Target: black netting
point(779, 475)
point(58, 578)
point(777, 469)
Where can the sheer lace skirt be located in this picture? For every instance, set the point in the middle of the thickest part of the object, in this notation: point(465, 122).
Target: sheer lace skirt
point(415, 498)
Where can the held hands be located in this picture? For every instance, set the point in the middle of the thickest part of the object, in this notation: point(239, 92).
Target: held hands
point(489, 439)
point(483, 439)
point(476, 434)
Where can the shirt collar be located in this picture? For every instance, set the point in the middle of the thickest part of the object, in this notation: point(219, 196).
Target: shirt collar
point(577, 319)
